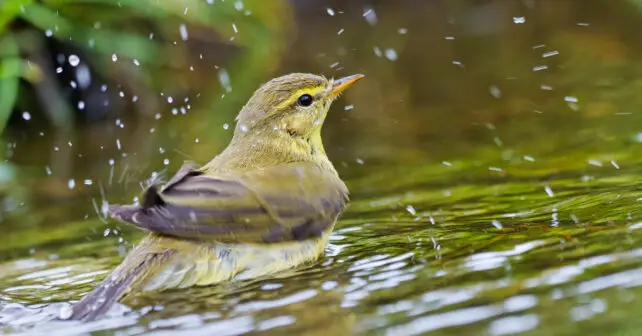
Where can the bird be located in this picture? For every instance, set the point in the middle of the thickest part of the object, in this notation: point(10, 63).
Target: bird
point(267, 203)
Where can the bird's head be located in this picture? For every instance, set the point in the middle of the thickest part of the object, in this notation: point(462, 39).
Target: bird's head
point(296, 104)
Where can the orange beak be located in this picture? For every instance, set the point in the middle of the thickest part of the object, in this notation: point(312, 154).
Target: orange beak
point(343, 83)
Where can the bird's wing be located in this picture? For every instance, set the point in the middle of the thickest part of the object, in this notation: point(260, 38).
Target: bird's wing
point(267, 205)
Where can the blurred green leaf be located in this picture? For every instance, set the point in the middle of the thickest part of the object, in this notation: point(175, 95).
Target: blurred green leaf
point(107, 41)
point(9, 9)
point(10, 71)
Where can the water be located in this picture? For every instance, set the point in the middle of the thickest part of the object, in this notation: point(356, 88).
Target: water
point(492, 154)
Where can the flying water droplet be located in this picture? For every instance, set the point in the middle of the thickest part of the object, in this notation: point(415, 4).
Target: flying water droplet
point(224, 78)
point(370, 15)
point(391, 54)
point(183, 30)
point(497, 224)
point(73, 60)
point(26, 115)
point(411, 210)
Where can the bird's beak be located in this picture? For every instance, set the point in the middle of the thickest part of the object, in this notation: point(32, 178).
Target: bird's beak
point(338, 85)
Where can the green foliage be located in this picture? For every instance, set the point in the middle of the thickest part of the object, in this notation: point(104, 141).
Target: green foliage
point(102, 28)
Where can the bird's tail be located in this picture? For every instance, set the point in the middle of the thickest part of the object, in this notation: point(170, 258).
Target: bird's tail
point(131, 274)
point(112, 289)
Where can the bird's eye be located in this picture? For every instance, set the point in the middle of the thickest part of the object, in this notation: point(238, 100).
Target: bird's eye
point(305, 100)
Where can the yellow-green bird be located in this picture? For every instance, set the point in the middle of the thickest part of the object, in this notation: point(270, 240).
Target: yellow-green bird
point(265, 204)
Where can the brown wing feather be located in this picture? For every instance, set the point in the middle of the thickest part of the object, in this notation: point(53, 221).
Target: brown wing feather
point(283, 203)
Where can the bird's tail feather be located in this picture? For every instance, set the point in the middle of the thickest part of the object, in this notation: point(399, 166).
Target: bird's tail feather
point(113, 288)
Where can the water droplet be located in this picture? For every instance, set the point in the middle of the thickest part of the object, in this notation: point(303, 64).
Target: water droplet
point(136, 62)
point(359, 161)
point(549, 191)
point(114, 57)
point(210, 2)
point(595, 163)
point(497, 224)
point(391, 54)
point(519, 19)
point(330, 11)
point(81, 105)
point(71, 184)
point(402, 31)
point(224, 78)
point(411, 210)
point(183, 30)
point(340, 31)
point(166, 162)
point(88, 182)
point(495, 91)
point(226, 126)
point(73, 60)
point(370, 15)
point(235, 29)
point(170, 99)
point(239, 5)
point(26, 115)
point(550, 53)
point(348, 107)
point(377, 51)
point(48, 33)
point(83, 76)
point(58, 70)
